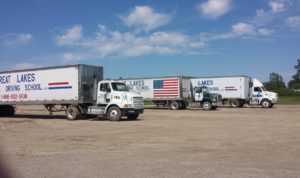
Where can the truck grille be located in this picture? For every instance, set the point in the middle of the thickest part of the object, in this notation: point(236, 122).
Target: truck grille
point(138, 102)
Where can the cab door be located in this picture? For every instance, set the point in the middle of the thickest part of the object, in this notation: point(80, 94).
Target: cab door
point(256, 94)
point(104, 92)
point(198, 94)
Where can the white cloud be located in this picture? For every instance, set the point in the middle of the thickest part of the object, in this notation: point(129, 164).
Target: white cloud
point(277, 6)
point(144, 18)
point(71, 35)
point(243, 29)
point(21, 66)
point(109, 43)
point(293, 22)
point(238, 30)
point(212, 9)
point(16, 39)
point(265, 31)
point(70, 57)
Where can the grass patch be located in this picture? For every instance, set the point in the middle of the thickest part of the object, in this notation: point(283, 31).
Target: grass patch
point(289, 100)
point(148, 102)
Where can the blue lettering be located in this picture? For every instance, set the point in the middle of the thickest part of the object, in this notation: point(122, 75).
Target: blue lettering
point(205, 82)
point(10, 88)
point(30, 77)
point(5, 79)
point(31, 87)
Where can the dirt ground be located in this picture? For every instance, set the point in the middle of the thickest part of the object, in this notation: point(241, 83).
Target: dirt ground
point(247, 142)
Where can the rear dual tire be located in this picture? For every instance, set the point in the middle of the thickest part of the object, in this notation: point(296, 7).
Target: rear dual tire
point(7, 111)
point(236, 103)
point(176, 105)
point(73, 113)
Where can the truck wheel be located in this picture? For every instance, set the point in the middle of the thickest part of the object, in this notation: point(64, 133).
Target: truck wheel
point(10, 111)
point(72, 113)
point(174, 105)
point(182, 105)
point(206, 106)
point(114, 114)
point(266, 104)
point(7, 110)
point(234, 103)
point(132, 116)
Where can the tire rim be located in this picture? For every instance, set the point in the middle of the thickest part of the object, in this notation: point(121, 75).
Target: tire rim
point(174, 106)
point(71, 114)
point(234, 104)
point(113, 114)
point(205, 106)
point(266, 104)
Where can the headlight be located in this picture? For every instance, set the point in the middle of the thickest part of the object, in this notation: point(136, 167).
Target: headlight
point(127, 106)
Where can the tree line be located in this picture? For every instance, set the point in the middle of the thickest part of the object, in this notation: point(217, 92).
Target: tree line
point(277, 84)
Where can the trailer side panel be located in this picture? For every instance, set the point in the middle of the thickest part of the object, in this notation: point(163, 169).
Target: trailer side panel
point(229, 87)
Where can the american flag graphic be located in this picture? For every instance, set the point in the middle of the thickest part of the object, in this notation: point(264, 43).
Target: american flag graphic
point(166, 88)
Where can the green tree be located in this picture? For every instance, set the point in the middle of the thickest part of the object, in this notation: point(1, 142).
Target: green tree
point(275, 82)
point(295, 82)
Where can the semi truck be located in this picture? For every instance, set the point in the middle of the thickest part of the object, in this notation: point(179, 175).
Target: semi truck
point(238, 90)
point(173, 92)
point(76, 89)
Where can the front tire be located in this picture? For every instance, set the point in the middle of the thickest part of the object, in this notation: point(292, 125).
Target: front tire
point(266, 104)
point(73, 113)
point(114, 114)
point(206, 105)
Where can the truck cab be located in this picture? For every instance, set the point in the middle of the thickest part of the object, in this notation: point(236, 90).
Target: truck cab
point(260, 96)
point(207, 100)
point(114, 100)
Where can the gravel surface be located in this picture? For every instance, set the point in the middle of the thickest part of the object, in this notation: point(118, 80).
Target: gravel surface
point(246, 142)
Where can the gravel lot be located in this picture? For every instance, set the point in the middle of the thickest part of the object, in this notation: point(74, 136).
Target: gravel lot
point(247, 142)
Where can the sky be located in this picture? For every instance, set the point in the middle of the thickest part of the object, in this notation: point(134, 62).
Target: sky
point(132, 38)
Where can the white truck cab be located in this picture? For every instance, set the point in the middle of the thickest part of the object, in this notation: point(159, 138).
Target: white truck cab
point(114, 100)
point(259, 95)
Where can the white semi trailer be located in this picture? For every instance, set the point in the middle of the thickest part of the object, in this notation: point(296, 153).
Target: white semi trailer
point(76, 89)
point(238, 90)
point(173, 92)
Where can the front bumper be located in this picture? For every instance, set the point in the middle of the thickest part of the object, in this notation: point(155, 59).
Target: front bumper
point(132, 111)
point(274, 101)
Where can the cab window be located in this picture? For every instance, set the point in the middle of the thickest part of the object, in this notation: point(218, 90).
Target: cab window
point(104, 87)
point(257, 89)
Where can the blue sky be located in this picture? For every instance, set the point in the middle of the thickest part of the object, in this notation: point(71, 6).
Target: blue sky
point(153, 38)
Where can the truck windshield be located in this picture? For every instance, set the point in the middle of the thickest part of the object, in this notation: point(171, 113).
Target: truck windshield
point(119, 86)
point(205, 89)
point(263, 88)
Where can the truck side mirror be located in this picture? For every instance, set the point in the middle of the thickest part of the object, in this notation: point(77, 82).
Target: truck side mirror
point(108, 90)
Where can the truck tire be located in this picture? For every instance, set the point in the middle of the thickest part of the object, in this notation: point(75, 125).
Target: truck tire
point(7, 110)
point(241, 103)
point(174, 105)
point(132, 116)
point(72, 113)
point(114, 114)
point(183, 104)
point(234, 103)
point(10, 111)
point(206, 105)
point(266, 104)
